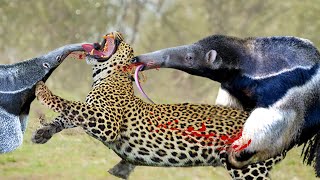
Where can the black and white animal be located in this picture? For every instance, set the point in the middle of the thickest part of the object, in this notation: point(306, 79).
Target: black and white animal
point(17, 88)
point(277, 78)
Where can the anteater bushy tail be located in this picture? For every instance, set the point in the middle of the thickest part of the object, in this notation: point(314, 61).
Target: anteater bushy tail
point(311, 153)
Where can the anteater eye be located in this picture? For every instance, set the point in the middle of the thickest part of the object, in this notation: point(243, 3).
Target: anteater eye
point(46, 65)
point(189, 57)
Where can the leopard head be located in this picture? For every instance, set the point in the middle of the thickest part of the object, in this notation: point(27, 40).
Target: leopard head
point(105, 52)
point(112, 55)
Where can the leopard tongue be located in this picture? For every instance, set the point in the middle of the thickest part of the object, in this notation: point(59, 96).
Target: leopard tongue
point(89, 48)
point(108, 49)
point(136, 77)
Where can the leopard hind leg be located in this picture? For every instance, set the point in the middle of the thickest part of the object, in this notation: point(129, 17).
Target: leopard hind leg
point(259, 170)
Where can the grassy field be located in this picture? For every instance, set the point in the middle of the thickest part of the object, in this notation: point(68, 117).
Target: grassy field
point(74, 155)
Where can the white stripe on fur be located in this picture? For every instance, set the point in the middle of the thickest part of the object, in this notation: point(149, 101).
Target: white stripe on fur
point(273, 128)
point(277, 73)
point(224, 98)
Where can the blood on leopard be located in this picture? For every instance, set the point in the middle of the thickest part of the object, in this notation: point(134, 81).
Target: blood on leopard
point(232, 139)
point(242, 147)
point(190, 128)
point(210, 144)
point(207, 136)
point(184, 133)
point(203, 127)
point(235, 146)
point(224, 137)
point(220, 148)
point(80, 56)
point(160, 126)
point(196, 134)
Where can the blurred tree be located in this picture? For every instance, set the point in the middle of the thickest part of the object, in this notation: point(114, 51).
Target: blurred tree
point(30, 28)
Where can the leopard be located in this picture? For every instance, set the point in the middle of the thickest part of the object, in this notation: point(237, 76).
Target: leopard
point(146, 134)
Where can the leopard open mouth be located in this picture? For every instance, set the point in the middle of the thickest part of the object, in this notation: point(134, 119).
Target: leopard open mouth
point(104, 50)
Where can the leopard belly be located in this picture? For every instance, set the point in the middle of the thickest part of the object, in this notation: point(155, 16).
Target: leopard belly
point(152, 155)
point(162, 136)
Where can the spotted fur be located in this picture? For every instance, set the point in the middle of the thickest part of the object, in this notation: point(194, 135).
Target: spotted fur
point(148, 134)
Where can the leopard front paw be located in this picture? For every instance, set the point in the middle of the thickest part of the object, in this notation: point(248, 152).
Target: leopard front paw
point(43, 134)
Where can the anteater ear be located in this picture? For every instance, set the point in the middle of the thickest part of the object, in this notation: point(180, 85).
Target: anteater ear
point(211, 56)
point(214, 60)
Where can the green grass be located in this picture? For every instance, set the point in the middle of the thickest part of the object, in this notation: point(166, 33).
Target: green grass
point(74, 155)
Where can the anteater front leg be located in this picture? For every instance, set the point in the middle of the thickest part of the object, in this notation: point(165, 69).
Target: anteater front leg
point(97, 121)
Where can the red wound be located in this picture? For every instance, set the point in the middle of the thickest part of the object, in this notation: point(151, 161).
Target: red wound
point(223, 137)
point(203, 127)
point(190, 128)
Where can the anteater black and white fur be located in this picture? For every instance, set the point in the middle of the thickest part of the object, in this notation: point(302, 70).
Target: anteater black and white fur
point(277, 78)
